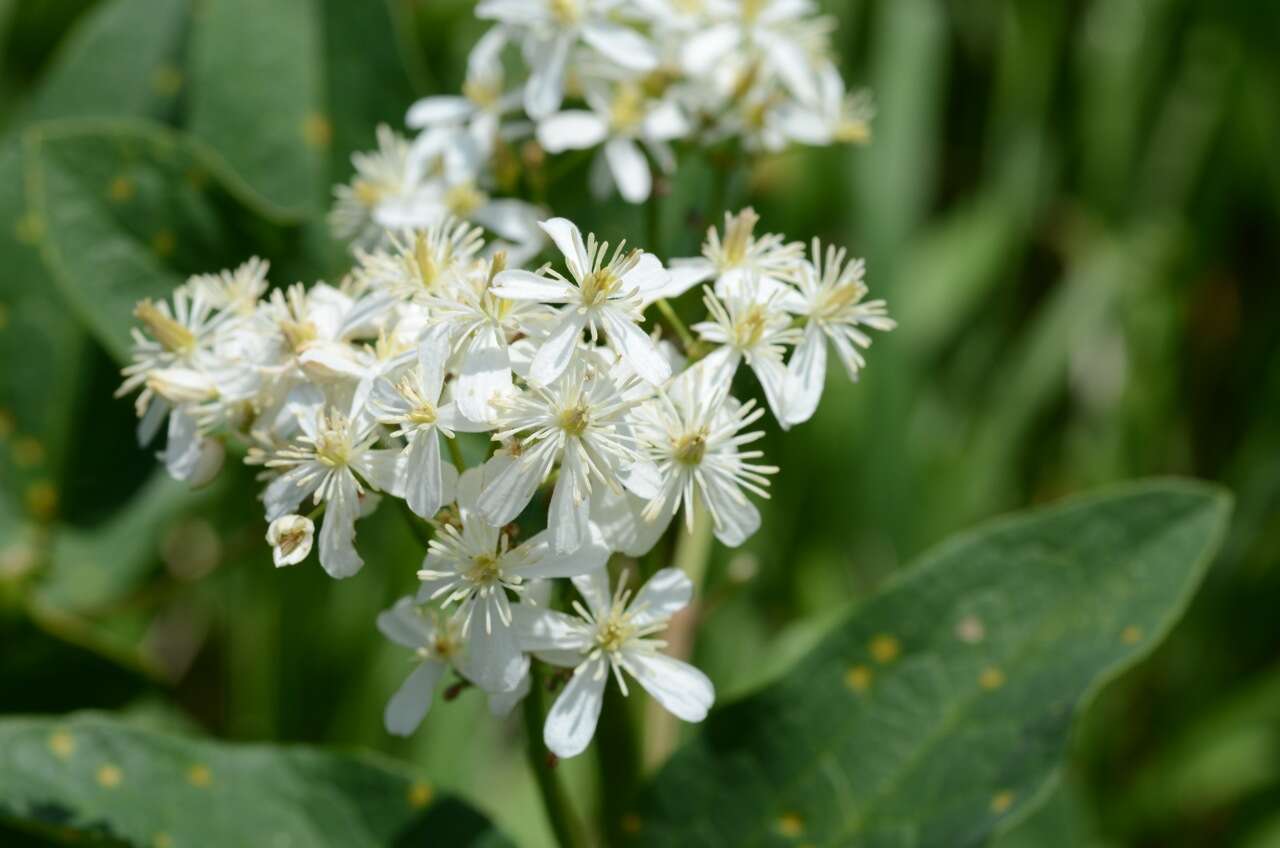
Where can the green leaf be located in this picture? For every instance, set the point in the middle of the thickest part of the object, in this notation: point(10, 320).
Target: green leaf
point(35, 402)
point(1062, 821)
point(92, 774)
point(122, 59)
point(257, 91)
point(942, 707)
point(126, 210)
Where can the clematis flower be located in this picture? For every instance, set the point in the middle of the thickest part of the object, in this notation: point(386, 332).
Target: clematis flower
point(835, 309)
point(613, 633)
point(602, 292)
point(476, 568)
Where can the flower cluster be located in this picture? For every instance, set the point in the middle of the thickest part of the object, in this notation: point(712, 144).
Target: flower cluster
point(347, 394)
point(627, 80)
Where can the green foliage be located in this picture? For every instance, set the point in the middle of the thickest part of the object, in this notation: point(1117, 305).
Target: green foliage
point(941, 707)
point(97, 776)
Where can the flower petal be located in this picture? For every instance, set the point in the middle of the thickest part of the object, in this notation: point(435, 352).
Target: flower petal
point(557, 349)
point(511, 489)
point(594, 588)
point(424, 484)
point(621, 45)
point(493, 661)
point(438, 110)
point(545, 89)
point(526, 285)
point(683, 690)
point(630, 169)
point(633, 345)
point(573, 717)
point(338, 530)
point(806, 375)
point(590, 555)
point(572, 129)
point(409, 705)
point(541, 629)
point(568, 239)
point(664, 594)
point(405, 626)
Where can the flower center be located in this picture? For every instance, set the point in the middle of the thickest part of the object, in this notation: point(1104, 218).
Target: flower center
point(690, 448)
point(485, 569)
point(627, 109)
point(598, 285)
point(566, 12)
point(737, 238)
point(333, 448)
point(574, 420)
point(175, 337)
point(482, 94)
point(368, 193)
point(298, 334)
point(751, 9)
point(615, 631)
point(290, 540)
point(464, 199)
point(838, 299)
point(749, 329)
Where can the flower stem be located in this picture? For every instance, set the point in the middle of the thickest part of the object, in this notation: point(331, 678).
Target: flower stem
point(686, 338)
point(618, 750)
point(693, 551)
point(455, 453)
point(564, 821)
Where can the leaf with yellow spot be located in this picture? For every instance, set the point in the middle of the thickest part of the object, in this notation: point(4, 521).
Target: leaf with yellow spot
point(969, 722)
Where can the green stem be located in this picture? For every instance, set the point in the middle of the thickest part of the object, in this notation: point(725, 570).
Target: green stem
point(692, 553)
point(455, 453)
point(669, 314)
point(565, 823)
point(416, 525)
point(621, 767)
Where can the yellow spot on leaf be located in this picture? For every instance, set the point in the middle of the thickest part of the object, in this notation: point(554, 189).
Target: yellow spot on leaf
point(790, 825)
point(166, 80)
point(885, 648)
point(121, 189)
point(27, 452)
point(991, 678)
point(6, 424)
point(162, 840)
point(42, 499)
point(858, 678)
point(109, 776)
point(1131, 635)
point(631, 823)
point(971, 630)
point(62, 744)
point(29, 229)
point(164, 243)
point(420, 795)
point(1001, 801)
point(200, 776)
point(317, 131)
point(197, 178)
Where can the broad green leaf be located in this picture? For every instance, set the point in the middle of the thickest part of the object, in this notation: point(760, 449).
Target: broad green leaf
point(257, 94)
point(942, 707)
point(36, 399)
point(126, 210)
point(122, 59)
point(1061, 821)
point(94, 775)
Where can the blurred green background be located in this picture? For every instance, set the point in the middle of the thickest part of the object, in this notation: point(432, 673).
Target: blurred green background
point(1072, 208)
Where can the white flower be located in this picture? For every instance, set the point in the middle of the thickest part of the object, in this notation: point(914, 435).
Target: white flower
point(413, 405)
point(613, 633)
point(387, 181)
point(606, 294)
point(836, 116)
point(553, 28)
point(238, 291)
point(779, 34)
point(619, 118)
point(693, 435)
point(422, 263)
point(580, 421)
point(483, 326)
point(833, 292)
point(755, 328)
point(323, 463)
point(476, 568)
point(739, 256)
point(473, 118)
point(290, 538)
